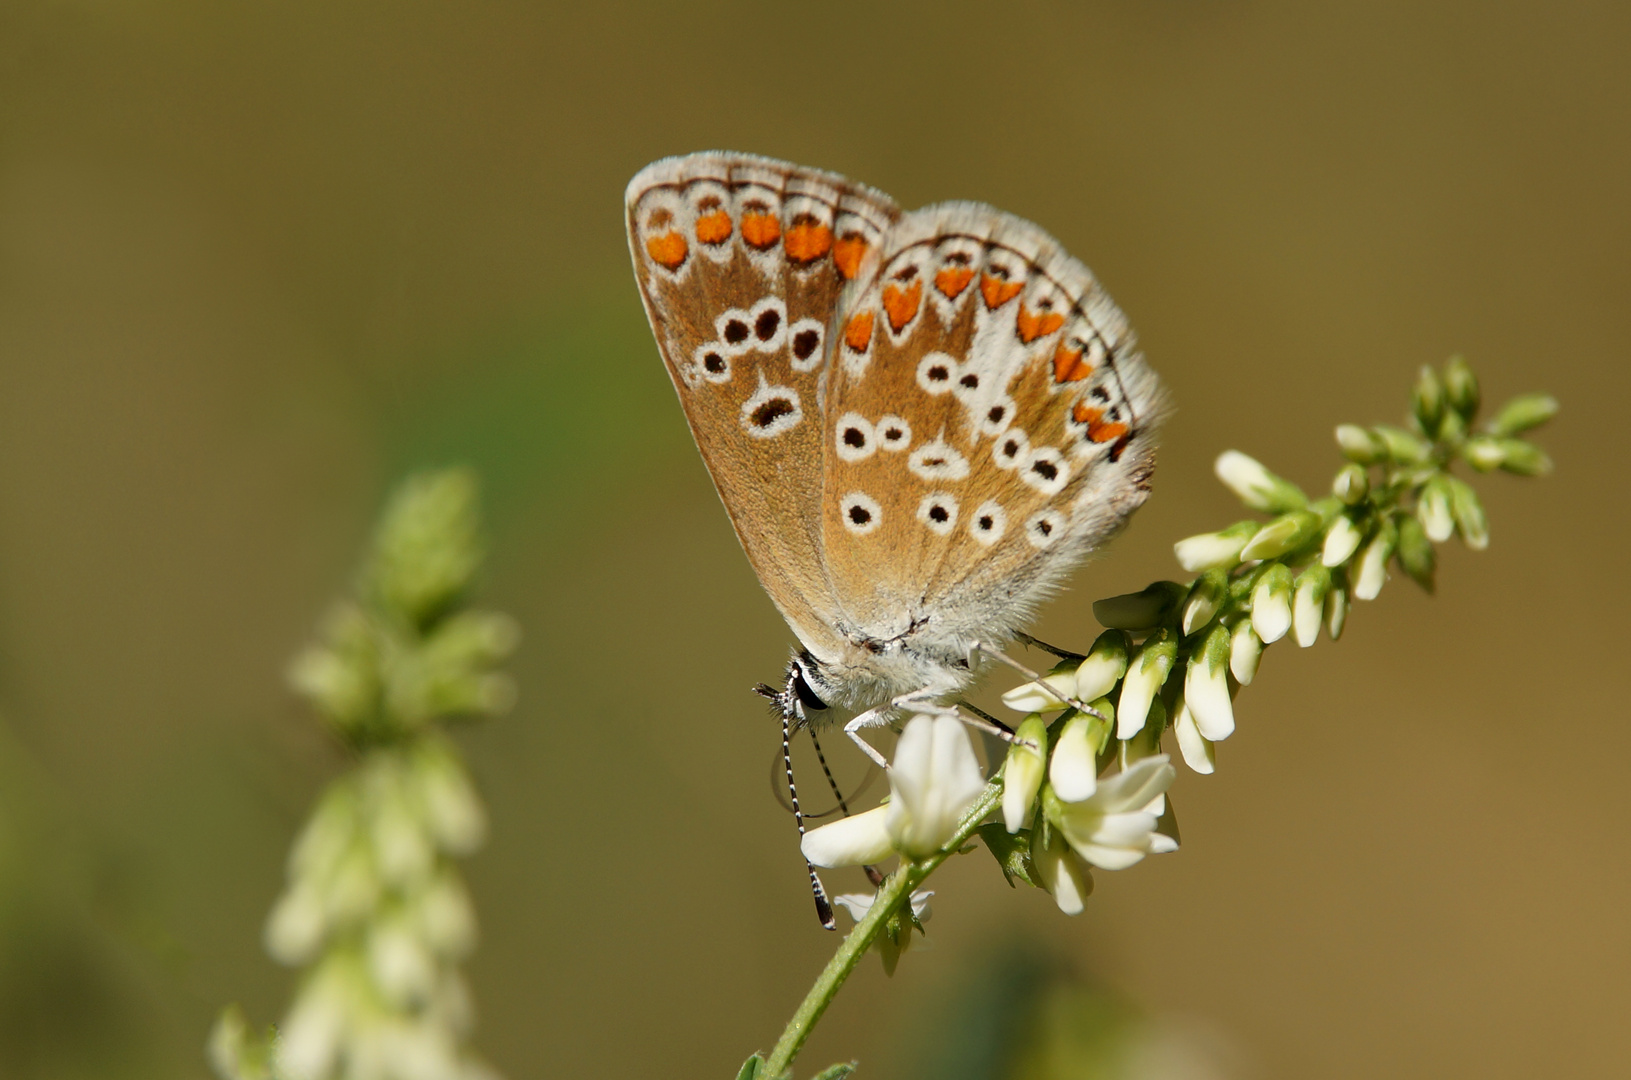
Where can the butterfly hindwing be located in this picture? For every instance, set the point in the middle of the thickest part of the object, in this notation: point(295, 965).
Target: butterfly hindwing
point(741, 262)
point(989, 423)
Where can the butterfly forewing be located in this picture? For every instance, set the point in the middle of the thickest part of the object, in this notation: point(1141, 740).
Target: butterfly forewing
point(741, 262)
point(988, 424)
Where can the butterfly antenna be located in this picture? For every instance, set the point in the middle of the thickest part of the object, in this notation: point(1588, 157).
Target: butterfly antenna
point(788, 706)
point(872, 873)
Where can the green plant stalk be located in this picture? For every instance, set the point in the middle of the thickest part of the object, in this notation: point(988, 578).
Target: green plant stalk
point(891, 895)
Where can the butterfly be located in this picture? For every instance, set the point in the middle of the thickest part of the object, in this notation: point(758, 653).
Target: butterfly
point(919, 422)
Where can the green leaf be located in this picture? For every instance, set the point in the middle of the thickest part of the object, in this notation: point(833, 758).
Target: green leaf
point(751, 1068)
point(836, 1072)
point(1011, 850)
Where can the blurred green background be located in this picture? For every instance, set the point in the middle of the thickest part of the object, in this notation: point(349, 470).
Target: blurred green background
point(258, 259)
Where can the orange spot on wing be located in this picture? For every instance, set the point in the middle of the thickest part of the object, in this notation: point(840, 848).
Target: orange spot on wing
point(761, 230)
point(848, 253)
point(998, 292)
point(858, 331)
point(953, 280)
point(1097, 429)
point(808, 241)
point(1032, 326)
point(669, 249)
point(901, 304)
point(714, 228)
point(1068, 366)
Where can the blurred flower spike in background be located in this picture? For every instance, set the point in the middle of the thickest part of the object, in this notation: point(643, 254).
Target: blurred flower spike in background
point(374, 910)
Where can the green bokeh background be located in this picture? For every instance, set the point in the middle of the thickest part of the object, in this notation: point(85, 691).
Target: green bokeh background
point(258, 259)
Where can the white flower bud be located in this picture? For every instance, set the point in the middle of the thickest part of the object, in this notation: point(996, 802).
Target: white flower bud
point(1468, 513)
point(402, 846)
point(1206, 687)
point(1196, 748)
point(1360, 445)
point(1271, 604)
point(1146, 672)
point(1373, 563)
point(1074, 768)
point(1285, 533)
point(297, 926)
point(1215, 549)
point(1106, 663)
point(859, 840)
point(1062, 871)
point(1022, 774)
point(1142, 610)
point(1352, 484)
point(1046, 694)
point(309, 1038)
point(1205, 597)
point(1309, 606)
point(401, 967)
point(1245, 651)
point(446, 918)
point(453, 811)
point(933, 781)
point(1257, 487)
point(1336, 612)
point(1433, 511)
point(1483, 452)
point(1342, 539)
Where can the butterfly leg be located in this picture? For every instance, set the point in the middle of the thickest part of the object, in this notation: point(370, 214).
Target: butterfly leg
point(879, 717)
point(998, 654)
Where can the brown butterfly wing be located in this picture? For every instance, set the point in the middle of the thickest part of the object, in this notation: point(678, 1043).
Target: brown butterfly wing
point(989, 423)
point(741, 262)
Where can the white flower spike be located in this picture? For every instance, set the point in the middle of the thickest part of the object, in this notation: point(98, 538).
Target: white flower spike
point(933, 781)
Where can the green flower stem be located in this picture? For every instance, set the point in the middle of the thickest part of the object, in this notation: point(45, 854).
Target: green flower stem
point(894, 892)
